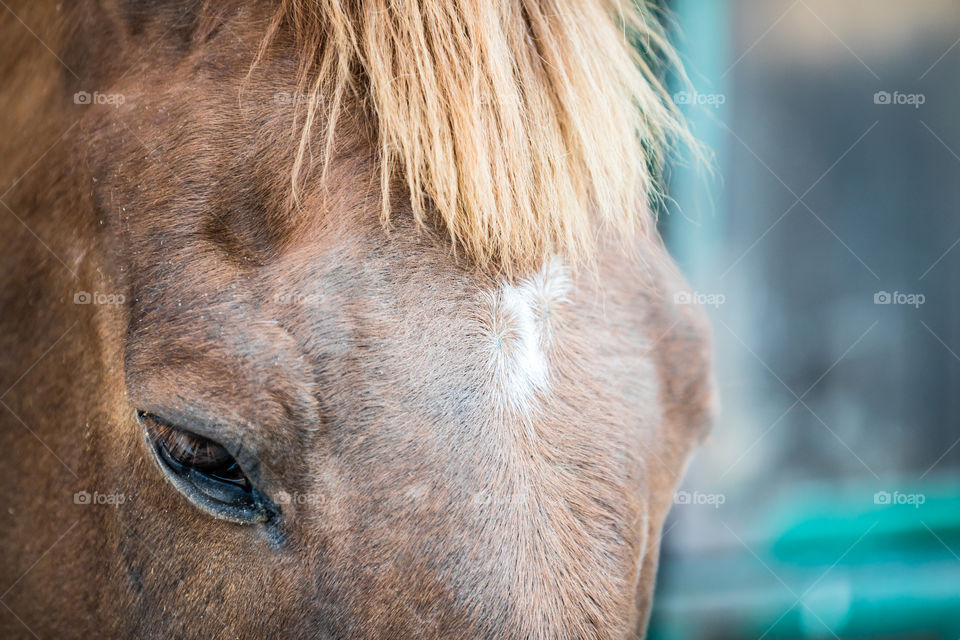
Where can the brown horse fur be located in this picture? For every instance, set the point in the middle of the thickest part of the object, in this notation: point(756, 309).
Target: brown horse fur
point(455, 455)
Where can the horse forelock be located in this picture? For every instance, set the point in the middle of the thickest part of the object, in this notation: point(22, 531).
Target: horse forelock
point(518, 126)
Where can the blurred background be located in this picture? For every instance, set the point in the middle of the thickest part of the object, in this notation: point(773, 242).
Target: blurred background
point(825, 249)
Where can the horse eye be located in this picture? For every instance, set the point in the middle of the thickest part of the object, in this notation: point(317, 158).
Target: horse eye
point(185, 450)
point(205, 472)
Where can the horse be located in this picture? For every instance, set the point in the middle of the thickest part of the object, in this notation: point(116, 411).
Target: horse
point(338, 319)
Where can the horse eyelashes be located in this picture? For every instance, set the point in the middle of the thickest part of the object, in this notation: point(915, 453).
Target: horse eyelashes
point(184, 450)
point(206, 473)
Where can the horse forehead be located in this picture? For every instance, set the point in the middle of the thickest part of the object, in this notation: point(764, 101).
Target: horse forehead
point(359, 311)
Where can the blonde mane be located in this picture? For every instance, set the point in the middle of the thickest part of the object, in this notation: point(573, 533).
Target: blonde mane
point(522, 127)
